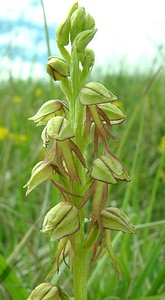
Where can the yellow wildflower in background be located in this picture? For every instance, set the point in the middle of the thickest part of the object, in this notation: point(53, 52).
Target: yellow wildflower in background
point(38, 92)
point(18, 138)
point(162, 144)
point(4, 133)
point(17, 99)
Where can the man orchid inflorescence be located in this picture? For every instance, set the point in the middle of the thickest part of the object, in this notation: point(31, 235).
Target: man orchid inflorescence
point(83, 219)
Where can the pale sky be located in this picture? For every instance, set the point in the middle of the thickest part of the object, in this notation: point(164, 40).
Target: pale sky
point(127, 29)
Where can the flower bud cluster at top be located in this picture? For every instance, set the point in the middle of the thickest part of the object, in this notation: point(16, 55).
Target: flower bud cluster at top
point(86, 114)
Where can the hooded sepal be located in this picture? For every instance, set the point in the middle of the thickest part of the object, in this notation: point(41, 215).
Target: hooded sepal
point(61, 221)
point(42, 171)
point(112, 112)
point(109, 169)
point(113, 218)
point(95, 93)
point(63, 30)
point(57, 68)
point(59, 128)
point(83, 39)
point(48, 110)
point(48, 291)
point(77, 20)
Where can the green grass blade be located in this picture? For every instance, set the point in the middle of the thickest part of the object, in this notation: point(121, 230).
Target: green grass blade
point(12, 284)
point(46, 29)
point(148, 268)
point(155, 188)
point(47, 41)
point(157, 283)
point(156, 297)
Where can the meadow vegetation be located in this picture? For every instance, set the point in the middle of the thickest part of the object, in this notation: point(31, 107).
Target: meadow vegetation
point(25, 255)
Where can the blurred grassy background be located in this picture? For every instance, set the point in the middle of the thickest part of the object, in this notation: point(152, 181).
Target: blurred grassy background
point(141, 147)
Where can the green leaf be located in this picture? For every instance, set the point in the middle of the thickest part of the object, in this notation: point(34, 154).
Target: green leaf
point(10, 281)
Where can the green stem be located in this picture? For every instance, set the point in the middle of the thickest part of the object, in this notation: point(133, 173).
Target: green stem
point(80, 263)
point(76, 117)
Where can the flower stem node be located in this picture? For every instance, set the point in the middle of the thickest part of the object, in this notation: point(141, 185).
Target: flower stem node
point(57, 68)
point(108, 169)
point(114, 219)
point(42, 171)
point(48, 110)
point(48, 291)
point(95, 93)
point(61, 221)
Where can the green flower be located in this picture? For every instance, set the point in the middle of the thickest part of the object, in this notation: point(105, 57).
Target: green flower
point(48, 110)
point(109, 169)
point(57, 68)
point(114, 219)
point(42, 171)
point(61, 221)
point(48, 291)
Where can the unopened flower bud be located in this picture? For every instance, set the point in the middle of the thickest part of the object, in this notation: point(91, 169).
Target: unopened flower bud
point(59, 128)
point(83, 39)
point(47, 291)
point(62, 220)
point(114, 219)
point(95, 93)
point(63, 30)
point(88, 23)
point(77, 20)
point(42, 171)
point(62, 33)
point(88, 58)
point(57, 68)
point(48, 110)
